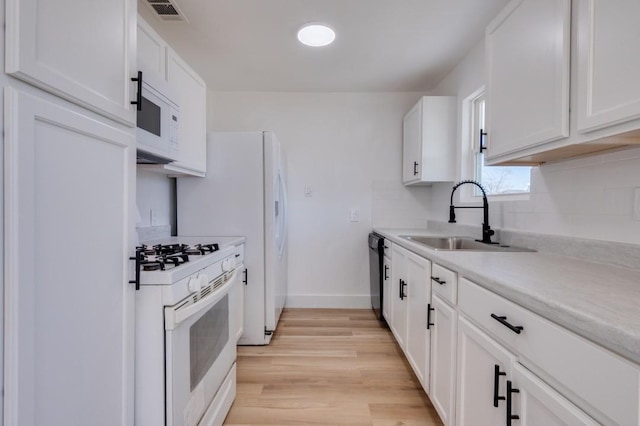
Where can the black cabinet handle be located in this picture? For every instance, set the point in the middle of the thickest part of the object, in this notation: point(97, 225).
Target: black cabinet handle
point(482, 147)
point(400, 288)
point(510, 391)
point(438, 280)
point(415, 168)
point(246, 276)
point(138, 259)
point(386, 269)
point(138, 101)
point(429, 309)
point(503, 320)
point(403, 284)
point(496, 385)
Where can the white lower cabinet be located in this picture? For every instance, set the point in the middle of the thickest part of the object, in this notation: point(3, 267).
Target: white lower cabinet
point(483, 366)
point(398, 323)
point(443, 358)
point(410, 298)
point(386, 288)
point(484, 360)
point(417, 347)
point(536, 403)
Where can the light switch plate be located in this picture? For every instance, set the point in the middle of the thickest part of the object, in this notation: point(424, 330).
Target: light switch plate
point(636, 204)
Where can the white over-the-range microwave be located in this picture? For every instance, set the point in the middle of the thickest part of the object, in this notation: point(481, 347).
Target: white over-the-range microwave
point(158, 121)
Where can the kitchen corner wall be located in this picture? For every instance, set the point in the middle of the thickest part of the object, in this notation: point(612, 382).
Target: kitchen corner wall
point(153, 198)
point(590, 197)
point(346, 149)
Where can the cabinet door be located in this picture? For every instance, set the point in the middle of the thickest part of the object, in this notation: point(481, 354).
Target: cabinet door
point(608, 57)
point(69, 192)
point(418, 333)
point(83, 51)
point(537, 404)
point(443, 359)
point(192, 99)
point(398, 295)
point(527, 71)
point(477, 382)
point(412, 145)
point(152, 51)
point(386, 289)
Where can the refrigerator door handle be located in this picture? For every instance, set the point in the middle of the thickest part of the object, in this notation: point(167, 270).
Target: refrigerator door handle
point(283, 212)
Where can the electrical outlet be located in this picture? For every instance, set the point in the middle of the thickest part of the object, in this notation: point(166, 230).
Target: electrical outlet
point(636, 204)
point(354, 215)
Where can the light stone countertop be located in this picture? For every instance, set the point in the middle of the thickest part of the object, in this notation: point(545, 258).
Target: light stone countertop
point(597, 301)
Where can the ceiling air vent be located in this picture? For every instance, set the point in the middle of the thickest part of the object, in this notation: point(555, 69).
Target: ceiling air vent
point(167, 10)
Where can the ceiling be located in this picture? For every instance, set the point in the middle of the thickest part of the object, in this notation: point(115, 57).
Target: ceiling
point(381, 45)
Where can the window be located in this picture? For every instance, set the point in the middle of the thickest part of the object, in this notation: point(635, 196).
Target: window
point(496, 180)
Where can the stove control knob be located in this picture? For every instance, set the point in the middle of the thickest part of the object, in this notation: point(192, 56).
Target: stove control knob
point(228, 264)
point(194, 284)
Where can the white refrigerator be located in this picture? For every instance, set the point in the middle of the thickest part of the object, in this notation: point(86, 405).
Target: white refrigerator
point(244, 193)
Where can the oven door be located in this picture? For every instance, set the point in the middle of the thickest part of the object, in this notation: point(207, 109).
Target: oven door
point(200, 351)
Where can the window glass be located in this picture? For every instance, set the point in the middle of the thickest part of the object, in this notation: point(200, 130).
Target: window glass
point(496, 180)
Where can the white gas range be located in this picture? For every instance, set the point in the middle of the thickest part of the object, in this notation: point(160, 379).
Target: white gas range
point(189, 315)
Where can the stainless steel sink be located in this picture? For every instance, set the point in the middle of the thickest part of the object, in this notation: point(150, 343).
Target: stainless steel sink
point(460, 243)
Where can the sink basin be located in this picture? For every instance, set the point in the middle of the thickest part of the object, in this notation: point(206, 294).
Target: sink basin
point(460, 243)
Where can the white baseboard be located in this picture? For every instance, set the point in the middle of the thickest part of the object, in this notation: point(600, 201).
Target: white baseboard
point(339, 301)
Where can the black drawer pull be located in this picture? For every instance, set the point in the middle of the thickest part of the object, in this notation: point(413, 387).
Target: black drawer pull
point(496, 385)
point(511, 390)
point(415, 167)
point(503, 320)
point(438, 280)
point(386, 269)
point(403, 286)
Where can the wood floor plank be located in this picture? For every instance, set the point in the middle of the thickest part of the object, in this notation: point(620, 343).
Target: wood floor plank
point(328, 367)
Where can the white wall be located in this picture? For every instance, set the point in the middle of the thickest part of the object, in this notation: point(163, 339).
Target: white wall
point(347, 148)
point(590, 197)
point(153, 193)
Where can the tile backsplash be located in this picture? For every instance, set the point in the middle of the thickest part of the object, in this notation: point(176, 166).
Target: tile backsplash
point(397, 206)
point(589, 198)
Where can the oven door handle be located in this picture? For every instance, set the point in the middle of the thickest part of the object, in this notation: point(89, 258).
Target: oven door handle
point(173, 315)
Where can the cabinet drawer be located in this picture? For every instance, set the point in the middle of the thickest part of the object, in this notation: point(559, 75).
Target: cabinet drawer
point(598, 381)
point(445, 283)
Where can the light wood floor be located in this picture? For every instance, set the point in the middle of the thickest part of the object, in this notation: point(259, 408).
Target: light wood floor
point(328, 367)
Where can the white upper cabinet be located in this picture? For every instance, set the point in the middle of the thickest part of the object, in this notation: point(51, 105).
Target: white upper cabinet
point(155, 57)
point(152, 51)
point(527, 71)
point(539, 52)
point(83, 51)
point(192, 99)
point(608, 44)
point(429, 138)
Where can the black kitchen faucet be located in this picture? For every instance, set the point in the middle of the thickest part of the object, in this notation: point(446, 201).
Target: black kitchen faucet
point(487, 232)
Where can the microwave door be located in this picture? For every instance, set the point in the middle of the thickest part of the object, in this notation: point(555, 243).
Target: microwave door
point(149, 117)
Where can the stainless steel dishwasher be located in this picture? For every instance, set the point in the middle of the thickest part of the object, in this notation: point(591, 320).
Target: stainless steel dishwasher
point(376, 259)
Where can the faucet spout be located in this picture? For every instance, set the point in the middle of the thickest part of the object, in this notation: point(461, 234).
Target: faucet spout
point(487, 232)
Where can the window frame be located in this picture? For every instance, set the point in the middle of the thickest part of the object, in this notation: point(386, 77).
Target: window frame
point(470, 156)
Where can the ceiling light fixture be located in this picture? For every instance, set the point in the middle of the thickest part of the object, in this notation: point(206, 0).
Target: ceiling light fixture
point(316, 35)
